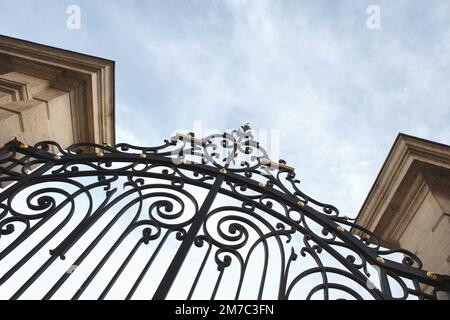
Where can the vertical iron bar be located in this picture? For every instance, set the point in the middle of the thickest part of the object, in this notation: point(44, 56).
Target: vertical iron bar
point(147, 266)
point(385, 286)
point(175, 265)
point(218, 281)
point(199, 273)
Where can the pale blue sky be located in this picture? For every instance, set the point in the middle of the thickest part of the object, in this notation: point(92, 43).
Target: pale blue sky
point(338, 92)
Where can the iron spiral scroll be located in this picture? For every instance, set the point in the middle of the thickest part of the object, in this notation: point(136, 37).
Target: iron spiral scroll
point(75, 221)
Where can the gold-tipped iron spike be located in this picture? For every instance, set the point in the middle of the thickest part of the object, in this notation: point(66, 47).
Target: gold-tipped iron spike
point(188, 138)
point(276, 165)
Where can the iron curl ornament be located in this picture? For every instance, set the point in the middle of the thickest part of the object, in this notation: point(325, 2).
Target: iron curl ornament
point(100, 221)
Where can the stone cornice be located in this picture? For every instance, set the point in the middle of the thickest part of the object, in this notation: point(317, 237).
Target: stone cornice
point(18, 91)
point(400, 186)
point(88, 79)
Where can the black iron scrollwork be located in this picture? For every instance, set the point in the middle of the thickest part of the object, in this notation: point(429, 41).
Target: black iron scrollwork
point(144, 198)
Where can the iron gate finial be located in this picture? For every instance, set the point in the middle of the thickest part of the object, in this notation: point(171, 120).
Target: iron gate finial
point(246, 127)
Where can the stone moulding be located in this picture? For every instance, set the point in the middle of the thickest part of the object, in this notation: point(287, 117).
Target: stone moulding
point(88, 80)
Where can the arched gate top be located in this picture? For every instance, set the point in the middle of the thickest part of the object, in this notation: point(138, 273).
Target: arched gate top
point(231, 164)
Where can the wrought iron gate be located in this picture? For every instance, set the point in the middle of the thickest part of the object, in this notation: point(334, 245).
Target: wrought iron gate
point(192, 218)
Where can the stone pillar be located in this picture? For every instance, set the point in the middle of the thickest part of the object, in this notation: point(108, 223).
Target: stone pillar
point(53, 94)
point(409, 203)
